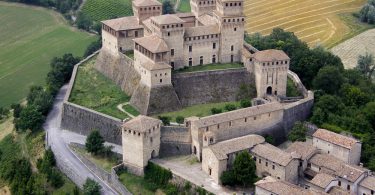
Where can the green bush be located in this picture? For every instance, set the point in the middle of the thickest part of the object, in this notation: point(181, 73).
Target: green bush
point(245, 103)
point(171, 189)
point(180, 119)
point(216, 110)
point(55, 178)
point(158, 175)
point(166, 120)
point(298, 132)
point(94, 143)
point(228, 178)
point(230, 107)
point(91, 187)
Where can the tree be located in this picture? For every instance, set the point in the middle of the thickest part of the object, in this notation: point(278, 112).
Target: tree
point(180, 119)
point(244, 169)
point(269, 139)
point(91, 187)
point(166, 120)
point(216, 110)
point(93, 47)
point(230, 107)
point(228, 178)
point(369, 113)
point(245, 103)
point(94, 143)
point(328, 79)
point(83, 21)
point(16, 110)
point(30, 118)
point(168, 7)
point(75, 190)
point(366, 65)
point(298, 132)
point(40, 98)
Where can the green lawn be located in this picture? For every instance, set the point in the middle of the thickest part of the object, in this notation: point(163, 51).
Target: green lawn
point(131, 110)
point(29, 38)
point(209, 67)
point(137, 185)
point(95, 91)
point(184, 6)
point(99, 10)
point(200, 110)
point(130, 54)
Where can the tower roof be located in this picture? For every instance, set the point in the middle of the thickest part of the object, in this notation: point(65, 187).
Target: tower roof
point(156, 65)
point(270, 55)
point(153, 43)
point(167, 19)
point(341, 140)
point(124, 23)
point(141, 123)
point(145, 3)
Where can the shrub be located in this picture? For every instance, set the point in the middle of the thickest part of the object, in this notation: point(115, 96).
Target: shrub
point(55, 178)
point(94, 143)
point(230, 107)
point(245, 103)
point(298, 132)
point(187, 186)
point(228, 178)
point(93, 47)
point(171, 189)
point(30, 118)
point(91, 187)
point(166, 120)
point(180, 119)
point(244, 169)
point(158, 175)
point(269, 139)
point(216, 110)
point(16, 110)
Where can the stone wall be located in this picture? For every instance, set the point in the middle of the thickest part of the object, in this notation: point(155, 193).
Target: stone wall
point(210, 86)
point(119, 69)
point(174, 141)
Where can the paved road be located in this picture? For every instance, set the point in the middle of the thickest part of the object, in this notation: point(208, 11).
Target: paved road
point(76, 169)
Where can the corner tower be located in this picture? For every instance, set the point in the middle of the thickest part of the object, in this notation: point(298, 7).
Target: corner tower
point(144, 9)
point(200, 7)
point(231, 20)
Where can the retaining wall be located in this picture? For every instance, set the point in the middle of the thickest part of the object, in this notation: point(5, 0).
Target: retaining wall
point(210, 86)
point(174, 141)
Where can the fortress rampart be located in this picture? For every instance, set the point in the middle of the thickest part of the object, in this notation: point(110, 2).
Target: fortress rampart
point(174, 141)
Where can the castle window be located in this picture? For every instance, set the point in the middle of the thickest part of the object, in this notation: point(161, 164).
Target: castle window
point(226, 4)
point(205, 138)
point(235, 4)
point(273, 167)
point(232, 48)
point(136, 33)
point(172, 64)
point(161, 80)
point(214, 59)
point(348, 187)
point(158, 8)
point(339, 183)
point(264, 64)
point(243, 19)
point(190, 48)
point(230, 123)
point(286, 62)
point(260, 161)
point(167, 26)
point(169, 34)
point(149, 131)
point(172, 52)
point(266, 164)
point(214, 46)
point(163, 27)
point(153, 8)
point(149, 8)
point(156, 75)
point(255, 118)
point(201, 60)
point(151, 139)
point(133, 132)
point(182, 25)
point(130, 131)
point(277, 63)
point(139, 134)
point(245, 120)
point(273, 63)
point(239, 4)
point(235, 29)
point(218, 126)
point(217, 36)
point(161, 74)
point(230, 4)
point(211, 140)
point(190, 61)
point(206, 129)
point(231, 58)
point(225, 20)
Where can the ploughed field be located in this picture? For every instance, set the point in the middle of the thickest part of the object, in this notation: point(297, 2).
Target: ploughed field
point(322, 22)
point(29, 38)
point(99, 10)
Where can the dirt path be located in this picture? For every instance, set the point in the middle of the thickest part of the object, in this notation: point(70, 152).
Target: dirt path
point(124, 111)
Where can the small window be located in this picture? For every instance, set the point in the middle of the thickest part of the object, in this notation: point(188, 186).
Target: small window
point(273, 167)
point(190, 48)
point(214, 46)
point(230, 123)
point(169, 34)
point(266, 164)
point(348, 187)
point(136, 33)
point(161, 80)
point(339, 183)
point(151, 139)
point(245, 120)
point(255, 118)
point(190, 61)
point(260, 161)
point(172, 52)
point(218, 126)
point(235, 29)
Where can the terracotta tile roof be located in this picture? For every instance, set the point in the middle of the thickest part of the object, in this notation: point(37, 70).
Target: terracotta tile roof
point(124, 23)
point(335, 190)
point(341, 140)
point(207, 19)
point(283, 188)
point(167, 19)
point(272, 153)
point(142, 3)
point(368, 182)
point(201, 30)
point(270, 55)
point(184, 15)
point(222, 149)
point(304, 149)
point(237, 114)
point(334, 166)
point(156, 66)
point(152, 43)
point(322, 180)
point(141, 123)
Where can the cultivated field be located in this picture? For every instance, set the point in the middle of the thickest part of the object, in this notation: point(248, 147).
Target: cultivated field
point(323, 22)
point(99, 10)
point(349, 50)
point(29, 38)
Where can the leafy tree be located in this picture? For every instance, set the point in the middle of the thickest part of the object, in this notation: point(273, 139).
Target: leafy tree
point(228, 178)
point(230, 107)
point(180, 119)
point(353, 96)
point(216, 110)
point(369, 113)
point(55, 178)
point(298, 132)
point(16, 110)
point(83, 21)
point(329, 79)
point(30, 118)
point(168, 7)
point(93, 47)
point(40, 98)
point(94, 143)
point(245, 103)
point(244, 169)
point(269, 139)
point(91, 187)
point(366, 65)
point(166, 120)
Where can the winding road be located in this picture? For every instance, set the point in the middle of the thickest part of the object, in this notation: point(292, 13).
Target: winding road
point(66, 160)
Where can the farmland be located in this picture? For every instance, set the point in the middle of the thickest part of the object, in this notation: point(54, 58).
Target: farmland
point(317, 22)
point(99, 10)
point(29, 38)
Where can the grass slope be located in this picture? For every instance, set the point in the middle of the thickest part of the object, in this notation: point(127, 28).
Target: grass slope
point(324, 22)
point(29, 38)
point(95, 91)
point(99, 10)
point(184, 6)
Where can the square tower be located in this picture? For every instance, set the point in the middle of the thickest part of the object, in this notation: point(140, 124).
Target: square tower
point(144, 9)
point(140, 142)
point(271, 72)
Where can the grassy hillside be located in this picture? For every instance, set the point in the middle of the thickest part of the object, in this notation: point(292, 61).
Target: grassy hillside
point(29, 38)
point(314, 21)
point(99, 10)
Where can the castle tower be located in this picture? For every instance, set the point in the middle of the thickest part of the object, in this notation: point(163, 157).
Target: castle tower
point(200, 7)
point(140, 142)
point(271, 72)
point(144, 9)
point(229, 14)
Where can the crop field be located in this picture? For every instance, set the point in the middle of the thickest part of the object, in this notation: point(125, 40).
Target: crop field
point(317, 22)
point(29, 38)
point(99, 10)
